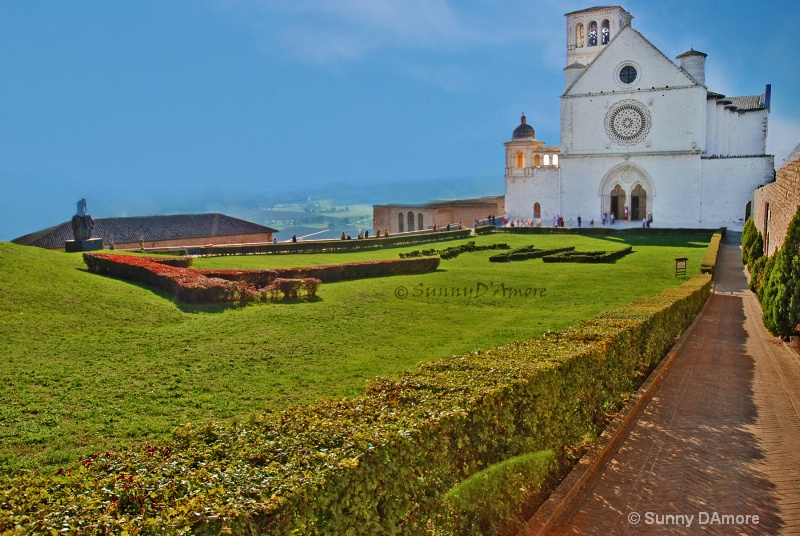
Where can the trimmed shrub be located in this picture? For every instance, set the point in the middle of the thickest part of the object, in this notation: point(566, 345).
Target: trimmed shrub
point(289, 287)
point(709, 262)
point(509, 484)
point(184, 284)
point(331, 273)
point(452, 253)
point(588, 256)
point(208, 286)
point(330, 246)
point(528, 252)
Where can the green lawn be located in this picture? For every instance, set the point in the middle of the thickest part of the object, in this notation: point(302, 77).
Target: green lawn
point(89, 363)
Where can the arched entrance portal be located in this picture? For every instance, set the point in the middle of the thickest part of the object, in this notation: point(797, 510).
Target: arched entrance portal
point(638, 203)
point(617, 207)
point(627, 186)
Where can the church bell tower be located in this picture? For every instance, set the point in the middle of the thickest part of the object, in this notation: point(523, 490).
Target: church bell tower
point(588, 33)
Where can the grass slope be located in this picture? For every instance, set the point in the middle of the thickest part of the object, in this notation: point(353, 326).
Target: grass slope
point(89, 363)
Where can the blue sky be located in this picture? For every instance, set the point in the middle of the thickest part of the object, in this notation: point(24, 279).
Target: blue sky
point(161, 106)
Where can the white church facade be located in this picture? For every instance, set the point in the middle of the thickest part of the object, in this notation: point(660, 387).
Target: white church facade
point(641, 136)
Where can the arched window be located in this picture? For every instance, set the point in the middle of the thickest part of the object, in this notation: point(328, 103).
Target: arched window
point(410, 221)
point(520, 160)
point(593, 34)
point(537, 210)
point(420, 225)
point(546, 160)
point(400, 223)
point(579, 35)
point(555, 160)
point(537, 160)
point(605, 32)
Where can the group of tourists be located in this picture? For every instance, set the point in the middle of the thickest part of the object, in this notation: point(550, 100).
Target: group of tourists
point(558, 221)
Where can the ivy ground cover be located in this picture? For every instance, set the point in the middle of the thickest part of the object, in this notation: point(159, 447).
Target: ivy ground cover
point(90, 363)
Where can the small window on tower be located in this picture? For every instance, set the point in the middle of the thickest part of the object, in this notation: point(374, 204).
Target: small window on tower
point(520, 161)
point(579, 35)
point(592, 34)
point(605, 33)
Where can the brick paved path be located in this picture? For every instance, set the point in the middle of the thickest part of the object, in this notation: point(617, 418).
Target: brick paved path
point(721, 434)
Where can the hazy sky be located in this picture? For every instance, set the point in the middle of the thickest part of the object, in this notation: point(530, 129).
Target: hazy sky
point(186, 105)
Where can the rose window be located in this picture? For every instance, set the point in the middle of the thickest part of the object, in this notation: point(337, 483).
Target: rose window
point(628, 122)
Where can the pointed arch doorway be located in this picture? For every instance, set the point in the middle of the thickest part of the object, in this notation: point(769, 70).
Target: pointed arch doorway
point(627, 186)
point(617, 207)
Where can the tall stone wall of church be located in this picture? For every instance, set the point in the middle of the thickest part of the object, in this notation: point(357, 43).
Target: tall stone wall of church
point(671, 184)
point(727, 185)
point(523, 192)
point(775, 204)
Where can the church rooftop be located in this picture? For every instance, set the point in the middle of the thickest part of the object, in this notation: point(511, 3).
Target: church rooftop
point(596, 8)
point(754, 102)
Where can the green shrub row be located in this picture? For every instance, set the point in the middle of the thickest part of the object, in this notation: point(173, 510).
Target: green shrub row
point(776, 279)
point(380, 463)
point(527, 252)
point(329, 273)
point(709, 262)
point(452, 253)
point(331, 246)
point(588, 256)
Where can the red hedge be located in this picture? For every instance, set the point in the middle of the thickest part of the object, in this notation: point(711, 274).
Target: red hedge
point(206, 286)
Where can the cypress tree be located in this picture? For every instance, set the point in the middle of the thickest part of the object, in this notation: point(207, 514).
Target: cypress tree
point(748, 234)
point(780, 297)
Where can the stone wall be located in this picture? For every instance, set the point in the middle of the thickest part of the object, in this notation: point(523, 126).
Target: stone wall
point(260, 238)
point(775, 204)
point(440, 213)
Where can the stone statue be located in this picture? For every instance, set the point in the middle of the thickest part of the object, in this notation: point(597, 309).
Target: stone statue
point(82, 223)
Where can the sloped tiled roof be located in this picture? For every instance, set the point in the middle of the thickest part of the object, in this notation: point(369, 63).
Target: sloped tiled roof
point(152, 228)
point(747, 103)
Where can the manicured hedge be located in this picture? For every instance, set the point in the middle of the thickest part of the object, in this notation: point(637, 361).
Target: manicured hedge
point(709, 262)
point(380, 463)
point(452, 253)
point(330, 273)
point(588, 256)
point(329, 246)
point(184, 284)
point(527, 252)
point(209, 286)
